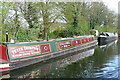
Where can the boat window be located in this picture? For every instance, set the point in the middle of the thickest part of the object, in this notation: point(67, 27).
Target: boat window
point(103, 34)
point(107, 34)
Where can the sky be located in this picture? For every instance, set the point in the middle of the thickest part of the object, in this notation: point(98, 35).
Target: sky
point(112, 4)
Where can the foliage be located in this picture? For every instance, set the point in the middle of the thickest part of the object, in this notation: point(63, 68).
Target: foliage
point(29, 21)
point(106, 29)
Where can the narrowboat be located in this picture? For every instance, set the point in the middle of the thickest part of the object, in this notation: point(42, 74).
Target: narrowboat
point(106, 37)
point(18, 55)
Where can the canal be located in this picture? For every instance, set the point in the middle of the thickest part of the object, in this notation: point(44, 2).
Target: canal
point(99, 62)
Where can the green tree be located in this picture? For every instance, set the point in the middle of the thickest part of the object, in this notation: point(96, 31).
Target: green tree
point(49, 13)
point(4, 11)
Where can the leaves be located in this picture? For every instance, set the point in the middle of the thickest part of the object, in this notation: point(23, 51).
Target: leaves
point(31, 21)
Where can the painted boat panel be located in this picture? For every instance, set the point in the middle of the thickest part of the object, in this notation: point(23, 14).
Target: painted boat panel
point(28, 50)
point(76, 42)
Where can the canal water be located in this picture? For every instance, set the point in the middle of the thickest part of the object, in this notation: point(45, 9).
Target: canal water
point(99, 62)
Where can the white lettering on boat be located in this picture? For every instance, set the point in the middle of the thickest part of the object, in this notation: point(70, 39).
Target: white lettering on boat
point(23, 51)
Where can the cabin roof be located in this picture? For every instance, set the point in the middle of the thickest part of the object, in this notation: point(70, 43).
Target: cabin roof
point(108, 34)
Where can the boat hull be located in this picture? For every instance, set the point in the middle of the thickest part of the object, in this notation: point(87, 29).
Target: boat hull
point(67, 52)
point(105, 40)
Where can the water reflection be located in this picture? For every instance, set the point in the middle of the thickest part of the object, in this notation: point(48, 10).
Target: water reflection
point(49, 68)
point(103, 64)
point(107, 63)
